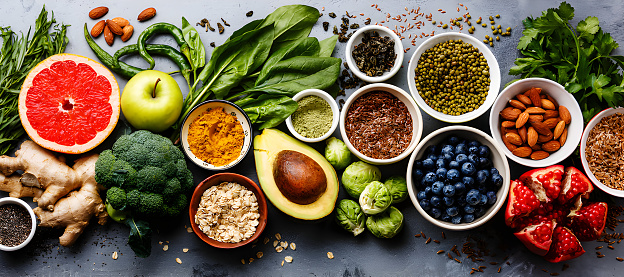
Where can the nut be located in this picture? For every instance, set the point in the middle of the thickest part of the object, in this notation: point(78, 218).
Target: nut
point(535, 110)
point(510, 113)
point(551, 114)
point(547, 104)
point(541, 128)
point(534, 95)
point(522, 132)
point(517, 104)
point(551, 146)
point(510, 146)
point(146, 14)
point(551, 122)
point(558, 129)
point(122, 22)
point(564, 136)
point(531, 136)
point(114, 28)
point(524, 99)
point(544, 138)
point(536, 147)
point(98, 28)
point(538, 155)
point(508, 124)
point(522, 152)
point(553, 101)
point(535, 118)
point(565, 114)
point(514, 138)
point(98, 12)
point(108, 36)
point(127, 32)
point(522, 119)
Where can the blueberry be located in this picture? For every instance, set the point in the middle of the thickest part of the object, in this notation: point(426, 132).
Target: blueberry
point(427, 190)
point(436, 188)
point(433, 157)
point(473, 197)
point(431, 149)
point(418, 164)
point(460, 200)
point(454, 164)
point(421, 195)
point(441, 173)
point(473, 150)
point(445, 217)
point(424, 204)
point(440, 163)
point(461, 149)
point(448, 201)
point(469, 209)
point(429, 179)
point(484, 199)
point(418, 174)
point(456, 219)
point(468, 218)
point(452, 175)
point(461, 158)
point(482, 176)
point(435, 212)
point(479, 211)
point(435, 201)
point(453, 140)
point(468, 169)
point(447, 157)
point(460, 188)
point(474, 143)
point(448, 190)
point(468, 181)
point(428, 164)
point(448, 149)
point(473, 158)
point(491, 197)
point(484, 162)
point(452, 211)
point(494, 171)
point(484, 151)
point(497, 180)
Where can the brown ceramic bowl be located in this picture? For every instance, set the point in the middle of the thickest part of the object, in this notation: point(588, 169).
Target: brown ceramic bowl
point(216, 180)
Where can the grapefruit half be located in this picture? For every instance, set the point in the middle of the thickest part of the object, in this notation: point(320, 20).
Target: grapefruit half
point(69, 103)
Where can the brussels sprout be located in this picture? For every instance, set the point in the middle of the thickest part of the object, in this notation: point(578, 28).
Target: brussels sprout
point(357, 175)
point(337, 153)
point(375, 198)
point(386, 224)
point(350, 217)
point(397, 187)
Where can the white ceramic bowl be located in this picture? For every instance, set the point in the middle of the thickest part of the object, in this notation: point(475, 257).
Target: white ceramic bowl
point(20, 202)
point(417, 122)
point(592, 123)
point(495, 77)
point(228, 107)
point(556, 91)
point(335, 114)
point(356, 39)
point(498, 160)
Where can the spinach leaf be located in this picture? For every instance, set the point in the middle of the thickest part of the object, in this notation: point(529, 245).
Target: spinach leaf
point(291, 22)
point(308, 46)
point(140, 239)
point(327, 46)
point(248, 27)
point(298, 73)
point(268, 110)
point(195, 51)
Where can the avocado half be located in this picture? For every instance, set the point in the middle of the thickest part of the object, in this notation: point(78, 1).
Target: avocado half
point(297, 179)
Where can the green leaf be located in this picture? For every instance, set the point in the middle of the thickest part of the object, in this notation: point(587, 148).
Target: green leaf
point(528, 36)
point(566, 11)
point(196, 54)
point(604, 43)
point(268, 110)
point(140, 239)
point(588, 27)
point(613, 95)
point(574, 87)
point(327, 46)
point(308, 46)
point(291, 22)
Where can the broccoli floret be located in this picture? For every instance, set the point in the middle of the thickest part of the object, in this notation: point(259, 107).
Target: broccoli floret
point(175, 207)
point(116, 197)
point(170, 168)
point(110, 171)
point(134, 200)
point(185, 176)
point(151, 179)
point(172, 189)
point(152, 205)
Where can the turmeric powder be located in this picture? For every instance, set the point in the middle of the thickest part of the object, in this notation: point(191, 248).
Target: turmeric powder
point(216, 137)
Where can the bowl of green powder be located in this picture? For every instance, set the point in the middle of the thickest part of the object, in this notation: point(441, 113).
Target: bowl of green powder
point(316, 118)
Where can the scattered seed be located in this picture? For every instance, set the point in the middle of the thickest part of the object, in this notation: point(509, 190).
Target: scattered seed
point(457, 260)
point(600, 256)
point(598, 253)
point(611, 247)
point(443, 235)
point(279, 249)
point(472, 272)
point(330, 255)
point(288, 259)
point(293, 246)
point(115, 255)
point(619, 259)
point(440, 251)
point(160, 242)
point(178, 261)
point(185, 250)
point(545, 270)
point(275, 243)
point(251, 260)
point(436, 241)
point(249, 13)
point(166, 247)
point(266, 240)
point(221, 28)
point(423, 235)
point(428, 241)
point(499, 269)
point(554, 274)
point(278, 236)
point(189, 230)
point(225, 22)
point(284, 244)
point(282, 262)
point(242, 261)
point(417, 235)
point(259, 255)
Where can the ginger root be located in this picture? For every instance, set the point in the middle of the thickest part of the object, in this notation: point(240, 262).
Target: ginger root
point(60, 204)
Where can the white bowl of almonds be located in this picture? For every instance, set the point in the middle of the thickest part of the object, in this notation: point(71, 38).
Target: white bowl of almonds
point(536, 122)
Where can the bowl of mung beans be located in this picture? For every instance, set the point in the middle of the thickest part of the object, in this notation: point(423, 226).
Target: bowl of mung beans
point(453, 77)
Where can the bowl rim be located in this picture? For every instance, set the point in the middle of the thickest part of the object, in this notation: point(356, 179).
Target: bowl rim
point(551, 160)
point(332, 104)
point(243, 154)
point(262, 206)
point(417, 122)
point(20, 202)
point(398, 50)
point(500, 201)
point(590, 125)
point(495, 77)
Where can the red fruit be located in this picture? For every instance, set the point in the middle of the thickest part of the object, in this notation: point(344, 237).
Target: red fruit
point(544, 182)
point(588, 222)
point(565, 246)
point(575, 183)
point(522, 201)
point(537, 238)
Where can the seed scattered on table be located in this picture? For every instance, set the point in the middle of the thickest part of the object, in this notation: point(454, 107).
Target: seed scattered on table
point(330, 255)
point(279, 249)
point(185, 250)
point(259, 255)
point(115, 255)
point(266, 240)
point(275, 243)
point(278, 236)
point(284, 244)
point(242, 261)
point(166, 247)
point(178, 260)
point(293, 246)
point(288, 259)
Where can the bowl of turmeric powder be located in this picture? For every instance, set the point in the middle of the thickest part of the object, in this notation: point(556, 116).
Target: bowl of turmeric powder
point(216, 135)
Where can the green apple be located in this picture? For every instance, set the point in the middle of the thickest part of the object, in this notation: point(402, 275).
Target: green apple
point(151, 100)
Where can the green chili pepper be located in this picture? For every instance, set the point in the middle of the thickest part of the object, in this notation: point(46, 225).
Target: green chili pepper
point(157, 28)
point(162, 50)
point(120, 68)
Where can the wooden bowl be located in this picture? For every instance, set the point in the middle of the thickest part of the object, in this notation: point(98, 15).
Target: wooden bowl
point(216, 180)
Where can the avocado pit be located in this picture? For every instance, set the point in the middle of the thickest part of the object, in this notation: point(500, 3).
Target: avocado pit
point(298, 177)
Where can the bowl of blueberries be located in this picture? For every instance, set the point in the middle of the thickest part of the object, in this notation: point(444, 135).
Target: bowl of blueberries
point(458, 177)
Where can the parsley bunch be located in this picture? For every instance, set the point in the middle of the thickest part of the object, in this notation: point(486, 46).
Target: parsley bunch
point(578, 58)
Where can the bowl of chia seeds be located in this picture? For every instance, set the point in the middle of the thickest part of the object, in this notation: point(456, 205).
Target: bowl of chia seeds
point(453, 77)
point(17, 224)
point(374, 53)
point(316, 118)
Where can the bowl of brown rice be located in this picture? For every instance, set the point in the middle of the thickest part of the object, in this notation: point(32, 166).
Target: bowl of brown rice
point(602, 151)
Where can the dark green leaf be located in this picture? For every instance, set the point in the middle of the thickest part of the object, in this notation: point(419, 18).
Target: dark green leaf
point(291, 22)
point(327, 46)
point(248, 27)
point(197, 54)
point(604, 43)
point(574, 87)
point(528, 35)
point(140, 239)
point(308, 46)
point(613, 95)
point(565, 11)
point(588, 27)
point(269, 110)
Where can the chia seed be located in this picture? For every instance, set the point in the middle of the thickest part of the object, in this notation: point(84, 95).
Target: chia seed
point(15, 225)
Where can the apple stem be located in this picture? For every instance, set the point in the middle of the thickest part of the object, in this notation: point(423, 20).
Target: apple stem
point(154, 91)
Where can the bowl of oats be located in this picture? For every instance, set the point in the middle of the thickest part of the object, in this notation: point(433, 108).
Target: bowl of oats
point(228, 210)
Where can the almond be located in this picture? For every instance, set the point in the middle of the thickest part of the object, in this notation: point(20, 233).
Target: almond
point(522, 152)
point(553, 101)
point(539, 155)
point(535, 110)
point(522, 119)
point(558, 129)
point(98, 12)
point(508, 124)
point(511, 130)
point(510, 146)
point(510, 113)
point(536, 147)
point(541, 128)
point(98, 28)
point(546, 104)
point(551, 122)
point(108, 36)
point(544, 138)
point(114, 28)
point(517, 104)
point(522, 132)
point(565, 114)
point(513, 138)
point(550, 114)
point(531, 136)
point(127, 32)
point(534, 95)
point(564, 136)
point(122, 22)
point(535, 118)
point(551, 146)
point(146, 14)
point(524, 99)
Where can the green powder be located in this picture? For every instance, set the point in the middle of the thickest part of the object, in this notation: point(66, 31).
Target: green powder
point(313, 117)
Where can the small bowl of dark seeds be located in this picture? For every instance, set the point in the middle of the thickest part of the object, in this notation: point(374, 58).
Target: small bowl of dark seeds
point(17, 224)
point(374, 53)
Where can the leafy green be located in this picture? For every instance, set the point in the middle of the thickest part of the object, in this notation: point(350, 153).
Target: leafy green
point(193, 49)
point(327, 46)
point(308, 46)
point(18, 55)
point(140, 239)
point(578, 58)
point(268, 110)
point(291, 23)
